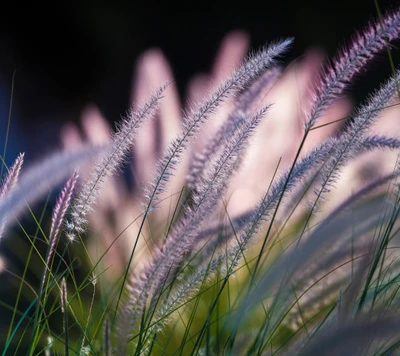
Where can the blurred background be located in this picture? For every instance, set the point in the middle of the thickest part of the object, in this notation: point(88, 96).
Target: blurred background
point(71, 55)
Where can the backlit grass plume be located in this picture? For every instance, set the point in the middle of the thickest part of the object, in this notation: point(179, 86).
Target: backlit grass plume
point(262, 232)
point(119, 148)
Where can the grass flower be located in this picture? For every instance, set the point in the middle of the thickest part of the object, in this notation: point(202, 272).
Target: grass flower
point(9, 183)
point(251, 227)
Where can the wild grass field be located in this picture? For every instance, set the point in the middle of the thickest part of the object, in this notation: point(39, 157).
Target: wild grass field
point(260, 217)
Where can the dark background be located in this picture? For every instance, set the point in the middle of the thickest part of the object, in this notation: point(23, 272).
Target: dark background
point(67, 55)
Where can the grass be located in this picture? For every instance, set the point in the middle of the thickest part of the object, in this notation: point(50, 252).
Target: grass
point(252, 227)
